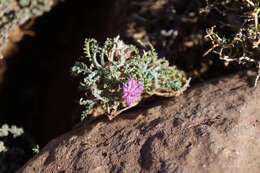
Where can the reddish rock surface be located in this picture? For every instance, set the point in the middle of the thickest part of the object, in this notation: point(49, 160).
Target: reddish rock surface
point(214, 127)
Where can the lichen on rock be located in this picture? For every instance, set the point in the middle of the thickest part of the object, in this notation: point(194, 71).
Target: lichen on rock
point(14, 13)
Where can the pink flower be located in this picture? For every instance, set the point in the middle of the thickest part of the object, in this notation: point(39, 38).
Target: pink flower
point(132, 90)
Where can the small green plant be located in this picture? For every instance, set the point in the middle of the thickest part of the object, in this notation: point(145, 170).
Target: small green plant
point(36, 149)
point(120, 76)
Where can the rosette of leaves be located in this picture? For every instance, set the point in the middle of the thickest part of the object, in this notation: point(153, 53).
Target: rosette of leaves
point(111, 65)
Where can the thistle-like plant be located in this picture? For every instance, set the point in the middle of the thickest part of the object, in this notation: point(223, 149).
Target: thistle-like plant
point(120, 76)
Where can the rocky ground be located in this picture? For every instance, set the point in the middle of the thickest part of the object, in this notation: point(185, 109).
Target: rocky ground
point(213, 127)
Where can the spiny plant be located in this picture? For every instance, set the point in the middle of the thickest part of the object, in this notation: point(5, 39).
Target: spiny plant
point(243, 46)
point(120, 76)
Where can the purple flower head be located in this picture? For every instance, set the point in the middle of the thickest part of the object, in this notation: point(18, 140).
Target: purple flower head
point(132, 90)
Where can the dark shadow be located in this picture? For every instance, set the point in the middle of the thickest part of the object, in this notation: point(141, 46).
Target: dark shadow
point(38, 92)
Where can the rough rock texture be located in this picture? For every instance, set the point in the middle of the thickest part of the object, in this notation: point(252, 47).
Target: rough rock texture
point(214, 127)
point(14, 13)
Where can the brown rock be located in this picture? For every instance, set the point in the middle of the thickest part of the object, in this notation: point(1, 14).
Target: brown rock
point(213, 128)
